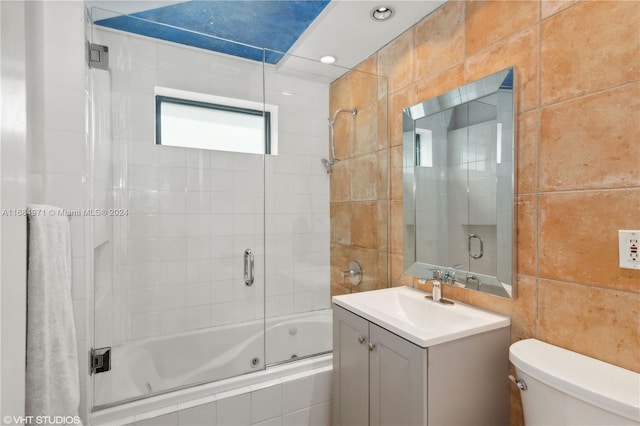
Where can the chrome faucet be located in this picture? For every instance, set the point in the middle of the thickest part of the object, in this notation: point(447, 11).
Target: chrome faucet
point(450, 274)
point(437, 279)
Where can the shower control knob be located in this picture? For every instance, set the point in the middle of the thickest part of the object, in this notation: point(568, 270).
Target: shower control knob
point(360, 339)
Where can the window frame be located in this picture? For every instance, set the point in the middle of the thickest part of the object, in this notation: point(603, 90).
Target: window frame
point(219, 103)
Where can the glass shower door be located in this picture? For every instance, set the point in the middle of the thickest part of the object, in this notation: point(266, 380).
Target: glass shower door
point(179, 267)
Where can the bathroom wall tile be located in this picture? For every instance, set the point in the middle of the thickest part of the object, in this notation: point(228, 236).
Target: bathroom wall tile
point(338, 288)
point(507, 18)
point(578, 239)
point(574, 62)
point(198, 416)
point(320, 415)
point(364, 225)
point(440, 39)
point(519, 50)
point(173, 320)
point(343, 137)
point(170, 419)
point(522, 310)
point(276, 421)
point(586, 143)
point(596, 322)
point(341, 223)
point(145, 324)
point(321, 387)
point(341, 181)
point(383, 123)
point(364, 177)
point(395, 171)
point(266, 403)
point(296, 394)
point(550, 7)
point(364, 86)
point(221, 313)
point(398, 278)
point(198, 317)
point(396, 229)
point(340, 257)
point(397, 102)
point(526, 152)
point(383, 269)
point(172, 202)
point(433, 85)
point(381, 225)
point(526, 234)
point(78, 283)
point(383, 174)
point(366, 128)
point(66, 191)
point(64, 151)
point(233, 411)
point(62, 108)
point(339, 95)
point(297, 418)
point(396, 61)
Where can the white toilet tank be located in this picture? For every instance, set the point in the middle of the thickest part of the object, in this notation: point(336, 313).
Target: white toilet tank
point(566, 388)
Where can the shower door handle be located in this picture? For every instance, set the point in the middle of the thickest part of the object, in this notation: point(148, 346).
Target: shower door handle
point(249, 270)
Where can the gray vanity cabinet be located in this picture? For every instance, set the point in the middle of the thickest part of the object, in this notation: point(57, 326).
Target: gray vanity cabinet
point(380, 378)
point(350, 368)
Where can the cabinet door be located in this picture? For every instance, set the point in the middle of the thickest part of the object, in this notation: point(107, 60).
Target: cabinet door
point(398, 374)
point(350, 369)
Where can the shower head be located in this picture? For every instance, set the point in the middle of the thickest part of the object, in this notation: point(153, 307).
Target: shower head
point(353, 111)
point(328, 164)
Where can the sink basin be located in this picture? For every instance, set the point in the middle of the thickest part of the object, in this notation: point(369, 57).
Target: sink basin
point(405, 312)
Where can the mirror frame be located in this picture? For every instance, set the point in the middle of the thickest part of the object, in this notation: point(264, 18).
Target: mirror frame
point(460, 96)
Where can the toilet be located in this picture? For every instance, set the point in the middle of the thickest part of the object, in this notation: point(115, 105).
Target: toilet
point(560, 387)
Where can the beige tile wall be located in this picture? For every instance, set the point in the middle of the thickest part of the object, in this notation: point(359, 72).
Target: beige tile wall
point(359, 199)
point(578, 174)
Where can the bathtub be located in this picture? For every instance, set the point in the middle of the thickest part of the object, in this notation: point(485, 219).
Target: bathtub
point(173, 372)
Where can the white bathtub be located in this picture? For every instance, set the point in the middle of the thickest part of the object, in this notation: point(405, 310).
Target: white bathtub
point(156, 372)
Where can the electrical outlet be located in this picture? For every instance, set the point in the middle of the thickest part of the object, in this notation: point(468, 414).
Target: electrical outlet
point(629, 252)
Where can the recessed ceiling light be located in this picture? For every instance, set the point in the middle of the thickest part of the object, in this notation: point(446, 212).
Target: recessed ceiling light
point(381, 13)
point(328, 59)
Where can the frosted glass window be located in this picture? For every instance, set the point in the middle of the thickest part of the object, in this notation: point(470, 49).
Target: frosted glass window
point(188, 123)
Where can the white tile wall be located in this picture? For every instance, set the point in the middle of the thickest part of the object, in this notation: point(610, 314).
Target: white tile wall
point(192, 213)
point(58, 98)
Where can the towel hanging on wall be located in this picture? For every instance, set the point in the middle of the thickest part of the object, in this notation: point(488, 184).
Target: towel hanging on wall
point(52, 385)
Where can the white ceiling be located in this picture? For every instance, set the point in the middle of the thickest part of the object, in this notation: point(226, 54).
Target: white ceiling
point(344, 29)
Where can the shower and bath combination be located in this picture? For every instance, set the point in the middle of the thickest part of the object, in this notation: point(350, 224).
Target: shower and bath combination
point(328, 164)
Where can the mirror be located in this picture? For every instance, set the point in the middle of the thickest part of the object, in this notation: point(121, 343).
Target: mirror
point(458, 182)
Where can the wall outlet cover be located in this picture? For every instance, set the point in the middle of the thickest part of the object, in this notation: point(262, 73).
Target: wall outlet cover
point(629, 252)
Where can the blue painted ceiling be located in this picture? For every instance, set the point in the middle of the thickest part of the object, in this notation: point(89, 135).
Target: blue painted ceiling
point(274, 25)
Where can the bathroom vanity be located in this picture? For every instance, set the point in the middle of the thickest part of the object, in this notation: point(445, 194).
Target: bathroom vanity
point(402, 359)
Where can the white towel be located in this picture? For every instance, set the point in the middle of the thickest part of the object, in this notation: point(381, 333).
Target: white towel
point(52, 385)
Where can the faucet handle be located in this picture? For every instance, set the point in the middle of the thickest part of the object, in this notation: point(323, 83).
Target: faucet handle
point(436, 274)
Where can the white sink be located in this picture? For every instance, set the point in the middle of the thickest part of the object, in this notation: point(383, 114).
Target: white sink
point(405, 312)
